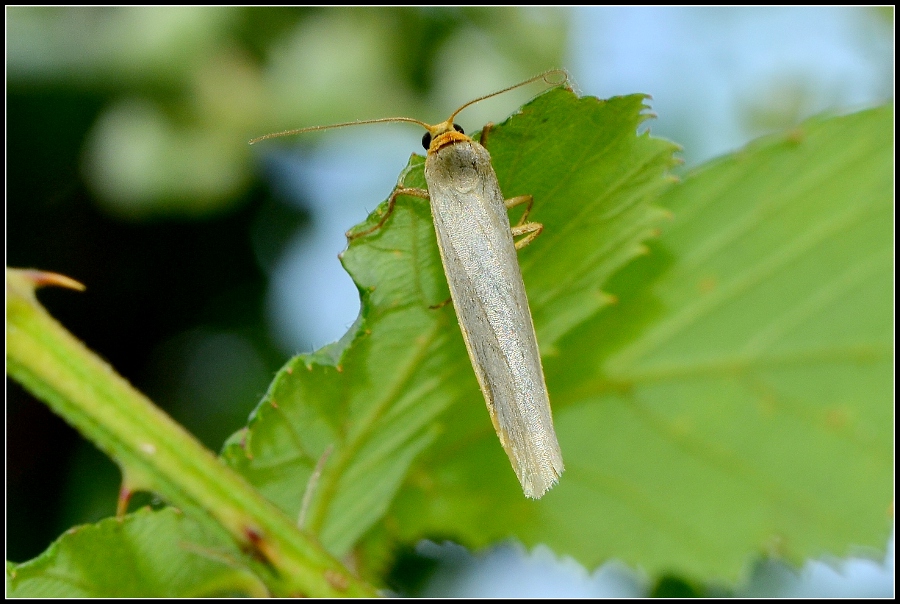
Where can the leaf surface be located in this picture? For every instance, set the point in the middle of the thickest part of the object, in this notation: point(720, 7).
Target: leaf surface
point(147, 554)
point(737, 401)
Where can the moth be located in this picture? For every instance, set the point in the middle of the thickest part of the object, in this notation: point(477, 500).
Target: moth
point(479, 255)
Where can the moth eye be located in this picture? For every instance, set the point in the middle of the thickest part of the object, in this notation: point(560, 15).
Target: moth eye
point(426, 140)
point(458, 128)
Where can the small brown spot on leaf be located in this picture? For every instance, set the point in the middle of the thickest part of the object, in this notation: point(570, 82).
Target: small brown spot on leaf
point(336, 579)
point(707, 285)
point(796, 136)
point(837, 418)
point(256, 544)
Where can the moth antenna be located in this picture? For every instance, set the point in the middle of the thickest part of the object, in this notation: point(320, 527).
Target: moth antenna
point(341, 125)
point(546, 76)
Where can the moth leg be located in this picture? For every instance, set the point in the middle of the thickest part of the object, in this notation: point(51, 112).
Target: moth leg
point(390, 209)
point(533, 229)
point(517, 201)
point(440, 304)
point(484, 133)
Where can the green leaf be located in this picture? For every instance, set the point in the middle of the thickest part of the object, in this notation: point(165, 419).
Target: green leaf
point(366, 408)
point(147, 554)
point(737, 401)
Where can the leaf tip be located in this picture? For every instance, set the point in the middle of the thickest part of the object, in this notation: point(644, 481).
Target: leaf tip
point(46, 278)
point(38, 278)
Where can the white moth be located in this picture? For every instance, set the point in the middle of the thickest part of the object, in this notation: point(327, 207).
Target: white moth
point(479, 257)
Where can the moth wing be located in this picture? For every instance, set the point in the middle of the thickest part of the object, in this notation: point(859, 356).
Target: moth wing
point(488, 293)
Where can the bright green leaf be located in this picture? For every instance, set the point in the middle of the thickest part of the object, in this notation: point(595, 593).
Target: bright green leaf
point(147, 554)
point(737, 401)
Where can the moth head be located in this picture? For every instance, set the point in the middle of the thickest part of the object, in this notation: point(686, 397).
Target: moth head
point(443, 134)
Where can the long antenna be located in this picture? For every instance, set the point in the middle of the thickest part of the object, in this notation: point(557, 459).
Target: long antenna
point(341, 125)
point(546, 76)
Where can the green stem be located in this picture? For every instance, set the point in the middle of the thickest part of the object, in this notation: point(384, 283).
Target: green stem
point(154, 452)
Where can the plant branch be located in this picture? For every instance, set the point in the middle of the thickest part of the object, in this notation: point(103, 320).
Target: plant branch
point(156, 453)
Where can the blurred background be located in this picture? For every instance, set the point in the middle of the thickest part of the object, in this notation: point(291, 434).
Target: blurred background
point(209, 262)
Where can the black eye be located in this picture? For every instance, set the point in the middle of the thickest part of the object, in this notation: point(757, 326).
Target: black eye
point(426, 138)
